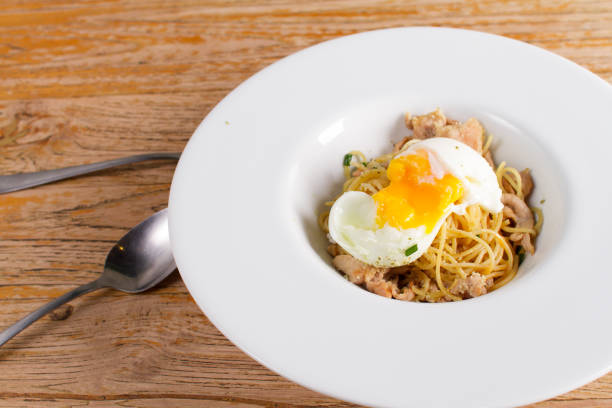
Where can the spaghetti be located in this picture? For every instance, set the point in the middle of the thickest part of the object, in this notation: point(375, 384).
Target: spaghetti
point(472, 254)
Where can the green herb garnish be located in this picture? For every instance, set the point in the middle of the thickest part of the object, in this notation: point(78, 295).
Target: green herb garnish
point(347, 159)
point(521, 254)
point(411, 250)
point(365, 164)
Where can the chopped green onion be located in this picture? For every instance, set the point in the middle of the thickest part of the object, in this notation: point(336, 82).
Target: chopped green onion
point(365, 164)
point(411, 250)
point(347, 159)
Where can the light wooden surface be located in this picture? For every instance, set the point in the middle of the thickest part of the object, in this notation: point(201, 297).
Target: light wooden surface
point(87, 80)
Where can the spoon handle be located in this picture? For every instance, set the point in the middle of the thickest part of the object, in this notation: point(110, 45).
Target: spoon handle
point(15, 182)
point(10, 332)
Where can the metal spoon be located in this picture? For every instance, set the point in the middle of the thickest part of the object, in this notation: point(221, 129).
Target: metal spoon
point(139, 261)
point(15, 182)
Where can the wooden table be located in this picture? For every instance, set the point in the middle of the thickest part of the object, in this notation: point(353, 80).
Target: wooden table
point(87, 80)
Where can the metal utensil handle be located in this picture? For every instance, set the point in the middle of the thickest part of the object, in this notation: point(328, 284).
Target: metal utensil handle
point(15, 182)
point(13, 330)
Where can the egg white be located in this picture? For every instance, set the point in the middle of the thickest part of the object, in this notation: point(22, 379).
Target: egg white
point(352, 224)
point(352, 219)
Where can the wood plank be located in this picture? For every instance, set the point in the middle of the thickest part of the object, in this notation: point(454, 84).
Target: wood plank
point(127, 401)
point(89, 80)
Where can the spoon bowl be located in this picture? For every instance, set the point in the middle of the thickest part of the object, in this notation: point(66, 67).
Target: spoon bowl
point(137, 262)
point(142, 258)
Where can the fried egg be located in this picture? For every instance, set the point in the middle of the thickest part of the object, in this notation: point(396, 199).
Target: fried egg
point(428, 181)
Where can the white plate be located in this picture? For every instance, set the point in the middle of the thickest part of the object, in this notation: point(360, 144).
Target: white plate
point(253, 177)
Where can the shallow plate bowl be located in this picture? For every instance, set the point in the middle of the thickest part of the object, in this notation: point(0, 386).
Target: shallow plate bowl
point(252, 179)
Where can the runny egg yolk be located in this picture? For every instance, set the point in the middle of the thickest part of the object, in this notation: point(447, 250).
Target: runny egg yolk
point(415, 195)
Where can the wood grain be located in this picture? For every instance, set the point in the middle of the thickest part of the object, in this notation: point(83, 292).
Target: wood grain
point(88, 80)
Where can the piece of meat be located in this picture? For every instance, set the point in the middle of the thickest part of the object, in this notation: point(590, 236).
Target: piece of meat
point(353, 269)
point(377, 284)
point(335, 250)
point(526, 182)
point(404, 294)
point(471, 133)
point(471, 286)
point(357, 271)
point(426, 126)
point(435, 124)
point(372, 277)
point(408, 120)
point(527, 244)
point(506, 186)
point(522, 214)
point(523, 218)
point(508, 213)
